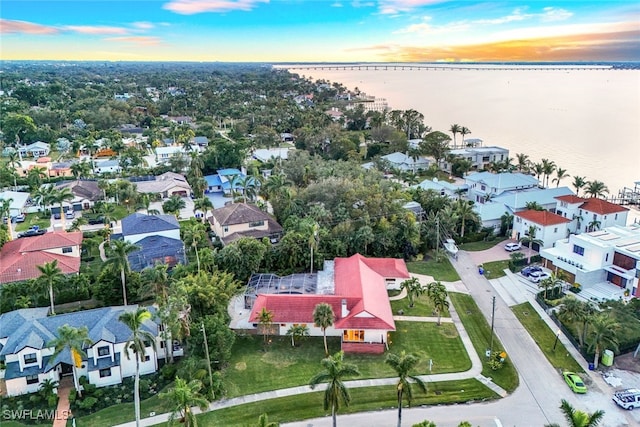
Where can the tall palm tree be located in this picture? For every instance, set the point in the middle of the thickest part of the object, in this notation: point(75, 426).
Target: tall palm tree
point(576, 418)
point(44, 196)
point(35, 177)
point(579, 313)
point(203, 204)
point(5, 212)
point(335, 370)
point(60, 196)
point(455, 129)
point(323, 317)
point(523, 162)
point(548, 167)
point(437, 293)
point(578, 183)
point(594, 225)
point(551, 282)
point(560, 175)
point(403, 364)
point(74, 339)
point(529, 239)
point(464, 131)
point(119, 260)
point(193, 235)
point(155, 283)
point(137, 344)
point(596, 189)
point(604, 332)
point(50, 276)
point(182, 397)
point(313, 231)
point(506, 223)
point(13, 162)
point(465, 213)
point(538, 168)
point(265, 320)
point(414, 289)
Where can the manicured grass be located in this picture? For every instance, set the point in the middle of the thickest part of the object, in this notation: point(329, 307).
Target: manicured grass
point(495, 269)
point(4, 423)
point(422, 306)
point(120, 212)
point(442, 270)
point(124, 412)
point(252, 370)
point(481, 245)
point(480, 333)
point(545, 338)
point(309, 405)
point(42, 221)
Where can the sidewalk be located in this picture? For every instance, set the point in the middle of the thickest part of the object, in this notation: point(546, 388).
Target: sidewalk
point(474, 372)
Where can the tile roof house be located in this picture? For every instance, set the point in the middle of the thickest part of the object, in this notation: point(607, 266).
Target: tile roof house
point(167, 185)
point(590, 214)
point(550, 227)
point(24, 338)
point(355, 288)
point(244, 220)
point(158, 239)
point(19, 258)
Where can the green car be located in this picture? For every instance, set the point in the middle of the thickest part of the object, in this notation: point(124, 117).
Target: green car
point(575, 382)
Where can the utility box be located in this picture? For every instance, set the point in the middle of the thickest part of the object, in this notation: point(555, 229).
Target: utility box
point(607, 358)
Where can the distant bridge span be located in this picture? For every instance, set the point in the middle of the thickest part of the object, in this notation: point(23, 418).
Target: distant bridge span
point(431, 67)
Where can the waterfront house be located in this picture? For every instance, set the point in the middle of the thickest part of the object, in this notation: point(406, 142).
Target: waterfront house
point(403, 162)
point(355, 287)
point(244, 220)
point(480, 157)
point(550, 227)
point(483, 186)
point(590, 214)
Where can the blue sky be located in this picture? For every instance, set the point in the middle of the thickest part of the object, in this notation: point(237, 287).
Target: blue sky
point(318, 30)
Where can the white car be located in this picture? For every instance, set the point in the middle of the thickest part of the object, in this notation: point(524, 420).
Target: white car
point(510, 247)
point(538, 276)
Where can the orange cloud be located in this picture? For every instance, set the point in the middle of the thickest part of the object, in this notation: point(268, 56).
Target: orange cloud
point(139, 40)
point(191, 7)
point(612, 46)
point(96, 30)
point(22, 27)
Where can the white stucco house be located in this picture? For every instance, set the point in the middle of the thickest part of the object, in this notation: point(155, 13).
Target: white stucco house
point(550, 227)
point(480, 157)
point(590, 214)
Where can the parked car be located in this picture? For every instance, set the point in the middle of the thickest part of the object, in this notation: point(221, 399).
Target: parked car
point(627, 399)
point(57, 215)
point(19, 218)
point(93, 220)
point(574, 382)
point(538, 276)
point(70, 214)
point(33, 231)
point(530, 269)
point(510, 247)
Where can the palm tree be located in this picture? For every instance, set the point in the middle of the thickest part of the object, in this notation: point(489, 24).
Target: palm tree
point(203, 204)
point(529, 239)
point(548, 167)
point(13, 162)
point(594, 225)
point(266, 320)
point(297, 331)
point(193, 235)
point(464, 131)
point(455, 129)
point(538, 168)
point(578, 183)
point(60, 196)
point(35, 177)
point(155, 282)
point(44, 196)
point(119, 260)
point(413, 288)
point(403, 364)
point(577, 418)
point(604, 331)
point(5, 212)
point(437, 293)
point(323, 317)
point(77, 223)
point(506, 223)
point(534, 206)
point(523, 162)
point(74, 339)
point(560, 174)
point(550, 282)
point(137, 343)
point(313, 241)
point(182, 396)
point(579, 313)
point(50, 276)
point(465, 212)
point(596, 189)
point(173, 205)
point(335, 370)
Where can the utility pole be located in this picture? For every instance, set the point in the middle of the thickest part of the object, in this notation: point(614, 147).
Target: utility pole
point(493, 314)
point(206, 348)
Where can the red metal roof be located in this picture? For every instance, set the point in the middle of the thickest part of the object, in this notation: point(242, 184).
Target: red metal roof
point(543, 218)
point(601, 207)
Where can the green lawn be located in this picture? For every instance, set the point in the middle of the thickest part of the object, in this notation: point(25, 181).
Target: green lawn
point(545, 338)
point(120, 212)
point(422, 307)
point(42, 221)
point(442, 270)
point(480, 333)
point(252, 370)
point(481, 245)
point(495, 269)
point(309, 405)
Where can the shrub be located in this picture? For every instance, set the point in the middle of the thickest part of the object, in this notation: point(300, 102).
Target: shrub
point(88, 403)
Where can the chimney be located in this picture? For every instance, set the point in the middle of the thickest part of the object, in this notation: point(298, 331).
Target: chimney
point(345, 312)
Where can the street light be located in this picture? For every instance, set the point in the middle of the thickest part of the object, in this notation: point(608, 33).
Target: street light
point(556, 341)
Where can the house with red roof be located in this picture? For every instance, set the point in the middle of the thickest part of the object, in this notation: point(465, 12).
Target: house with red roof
point(550, 227)
point(356, 289)
point(19, 258)
point(590, 214)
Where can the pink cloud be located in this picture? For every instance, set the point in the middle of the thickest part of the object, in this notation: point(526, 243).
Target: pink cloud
point(139, 40)
point(191, 7)
point(96, 30)
point(390, 7)
point(22, 27)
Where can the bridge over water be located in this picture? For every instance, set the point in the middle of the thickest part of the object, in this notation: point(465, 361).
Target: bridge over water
point(443, 67)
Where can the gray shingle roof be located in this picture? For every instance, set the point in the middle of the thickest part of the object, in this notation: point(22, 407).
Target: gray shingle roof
point(138, 223)
point(156, 249)
point(239, 213)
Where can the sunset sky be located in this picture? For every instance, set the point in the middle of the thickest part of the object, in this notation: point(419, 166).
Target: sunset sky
point(320, 30)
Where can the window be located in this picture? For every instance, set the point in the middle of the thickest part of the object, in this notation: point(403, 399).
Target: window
point(485, 158)
point(32, 379)
point(483, 187)
point(106, 372)
point(256, 224)
point(578, 250)
point(606, 258)
point(225, 229)
point(147, 358)
point(103, 351)
point(555, 230)
point(353, 335)
point(30, 358)
point(615, 217)
point(67, 250)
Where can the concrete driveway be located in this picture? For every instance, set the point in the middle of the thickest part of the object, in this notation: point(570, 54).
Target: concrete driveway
point(496, 253)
